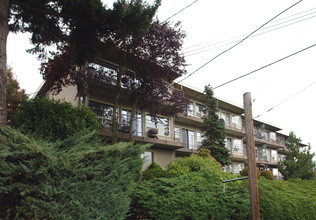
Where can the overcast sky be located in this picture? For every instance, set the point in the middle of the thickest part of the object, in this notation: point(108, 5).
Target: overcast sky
point(214, 26)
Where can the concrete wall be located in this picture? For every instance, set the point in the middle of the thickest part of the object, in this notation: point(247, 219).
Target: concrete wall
point(68, 94)
point(162, 157)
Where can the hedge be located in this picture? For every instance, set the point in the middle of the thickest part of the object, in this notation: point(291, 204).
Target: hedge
point(77, 178)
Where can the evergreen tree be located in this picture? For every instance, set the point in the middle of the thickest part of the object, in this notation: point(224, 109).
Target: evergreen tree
point(213, 130)
point(298, 161)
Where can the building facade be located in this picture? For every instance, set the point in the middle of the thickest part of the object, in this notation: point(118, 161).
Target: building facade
point(181, 136)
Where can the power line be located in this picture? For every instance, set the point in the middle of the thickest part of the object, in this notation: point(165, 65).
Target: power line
point(264, 66)
point(262, 29)
point(270, 64)
point(201, 50)
point(181, 10)
point(270, 109)
point(238, 42)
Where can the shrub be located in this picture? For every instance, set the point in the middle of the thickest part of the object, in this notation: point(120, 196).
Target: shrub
point(204, 167)
point(189, 197)
point(244, 172)
point(267, 174)
point(52, 120)
point(70, 179)
point(155, 171)
point(293, 199)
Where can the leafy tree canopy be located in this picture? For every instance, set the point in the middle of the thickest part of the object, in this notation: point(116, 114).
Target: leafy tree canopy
point(298, 161)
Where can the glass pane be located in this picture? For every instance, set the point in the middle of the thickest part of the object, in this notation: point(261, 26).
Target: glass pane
point(191, 139)
point(162, 124)
point(236, 121)
point(237, 145)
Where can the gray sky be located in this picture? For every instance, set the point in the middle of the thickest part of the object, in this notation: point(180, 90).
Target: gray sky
point(214, 26)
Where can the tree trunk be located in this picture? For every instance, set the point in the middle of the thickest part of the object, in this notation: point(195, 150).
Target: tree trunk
point(131, 123)
point(4, 30)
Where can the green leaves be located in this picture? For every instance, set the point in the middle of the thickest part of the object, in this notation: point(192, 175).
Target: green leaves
point(53, 120)
point(298, 161)
point(70, 179)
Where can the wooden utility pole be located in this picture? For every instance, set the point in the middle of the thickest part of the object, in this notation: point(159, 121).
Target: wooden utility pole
point(252, 170)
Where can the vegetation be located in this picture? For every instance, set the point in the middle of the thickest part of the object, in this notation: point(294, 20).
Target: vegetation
point(53, 120)
point(293, 199)
point(298, 161)
point(194, 191)
point(155, 171)
point(14, 92)
point(267, 174)
point(78, 178)
point(244, 172)
point(213, 130)
point(87, 27)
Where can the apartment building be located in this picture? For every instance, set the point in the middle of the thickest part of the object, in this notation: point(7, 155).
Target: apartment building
point(181, 136)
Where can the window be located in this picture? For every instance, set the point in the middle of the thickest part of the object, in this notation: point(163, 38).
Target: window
point(229, 144)
point(272, 137)
point(225, 118)
point(237, 168)
point(200, 110)
point(162, 124)
point(191, 139)
point(104, 112)
point(148, 157)
point(257, 152)
point(228, 168)
point(190, 109)
point(199, 138)
point(245, 150)
point(188, 138)
point(274, 155)
point(237, 145)
point(236, 121)
point(137, 122)
point(177, 134)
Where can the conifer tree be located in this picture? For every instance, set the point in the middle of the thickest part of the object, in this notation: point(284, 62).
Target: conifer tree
point(298, 161)
point(213, 130)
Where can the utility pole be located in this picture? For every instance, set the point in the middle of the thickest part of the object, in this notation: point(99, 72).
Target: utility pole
point(252, 170)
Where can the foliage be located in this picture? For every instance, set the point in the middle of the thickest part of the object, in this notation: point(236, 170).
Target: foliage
point(155, 171)
point(293, 199)
point(298, 160)
point(213, 130)
point(13, 87)
point(202, 167)
point(189, 198)
point(267, 174)
point(194, 191)
point(160, 61)
point(244, 172)
point(72, 179)
point(53, 120)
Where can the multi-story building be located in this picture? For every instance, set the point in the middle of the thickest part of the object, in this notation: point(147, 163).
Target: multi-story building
point(181, 136)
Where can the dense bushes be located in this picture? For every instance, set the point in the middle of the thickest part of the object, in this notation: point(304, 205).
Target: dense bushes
point(267, 174)
point(193, 191)
point(293, 199)
point(244, 172)
point(155, 171)
point(77, 178)
point(52, 120)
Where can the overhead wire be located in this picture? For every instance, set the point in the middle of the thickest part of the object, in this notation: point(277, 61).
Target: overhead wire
point(269, 78)
point(280, 103)
point(239, 42)
point(256, 70)
point(181, 10)
point(222, 43)
point(261, 29)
